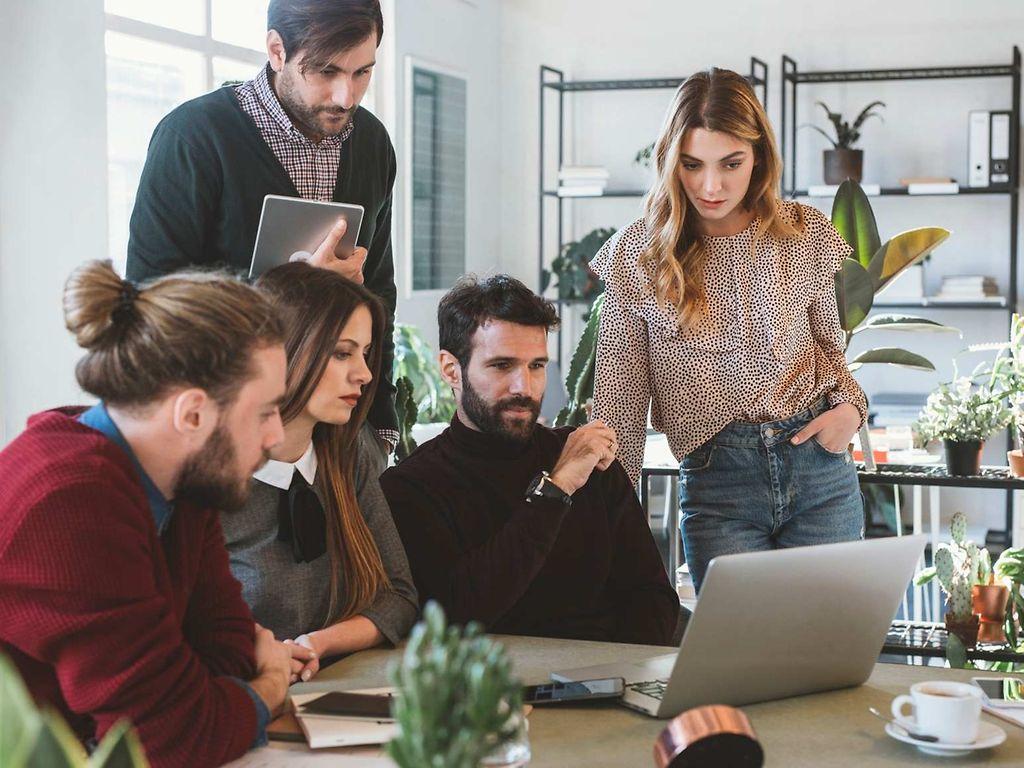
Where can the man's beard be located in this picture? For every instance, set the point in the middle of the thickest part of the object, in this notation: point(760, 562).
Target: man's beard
point(210, 477)
point(488, 416)
point(305, 116)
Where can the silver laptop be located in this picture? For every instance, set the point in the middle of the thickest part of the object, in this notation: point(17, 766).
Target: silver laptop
point(774, 624)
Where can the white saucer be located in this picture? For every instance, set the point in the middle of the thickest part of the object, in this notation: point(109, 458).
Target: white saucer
point(989, 736)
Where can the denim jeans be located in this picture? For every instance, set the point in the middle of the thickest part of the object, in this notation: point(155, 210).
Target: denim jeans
point(749, 488)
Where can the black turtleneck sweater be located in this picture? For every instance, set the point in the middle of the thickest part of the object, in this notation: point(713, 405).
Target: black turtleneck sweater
point(589, 570)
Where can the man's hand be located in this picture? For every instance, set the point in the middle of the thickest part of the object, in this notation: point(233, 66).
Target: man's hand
point(325, 258)
point(273, 670)
point(833, 429)
point(589, 447)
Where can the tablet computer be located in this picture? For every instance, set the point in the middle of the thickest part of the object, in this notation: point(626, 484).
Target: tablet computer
point(290, 225)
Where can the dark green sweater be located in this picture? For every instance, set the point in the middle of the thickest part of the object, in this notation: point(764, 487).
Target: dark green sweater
point(201, 194)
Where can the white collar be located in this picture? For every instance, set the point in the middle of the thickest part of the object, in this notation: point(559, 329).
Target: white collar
point(279, 473)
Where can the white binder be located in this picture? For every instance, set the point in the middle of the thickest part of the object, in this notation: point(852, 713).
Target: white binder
point(978, 148)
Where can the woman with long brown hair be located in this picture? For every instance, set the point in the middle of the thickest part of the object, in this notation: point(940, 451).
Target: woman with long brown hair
point(720, 315)
point(315, 548)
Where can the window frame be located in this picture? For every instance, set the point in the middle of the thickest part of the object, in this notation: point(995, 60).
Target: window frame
point(411, 63)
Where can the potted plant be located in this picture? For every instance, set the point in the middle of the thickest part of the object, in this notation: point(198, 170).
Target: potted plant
point(29, 737)
point(576, 281)
point(579, 381)
point(1008, 373)
point(867, 272)
point(422, 398)
point(957, 568)
point(843, 162)
point(963, 414)
point(1009, 569)
point(457, 703)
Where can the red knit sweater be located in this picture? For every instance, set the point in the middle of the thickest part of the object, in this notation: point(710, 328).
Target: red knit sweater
point(105, 619)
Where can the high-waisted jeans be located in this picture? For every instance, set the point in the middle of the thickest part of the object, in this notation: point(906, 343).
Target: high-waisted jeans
point(749, 488)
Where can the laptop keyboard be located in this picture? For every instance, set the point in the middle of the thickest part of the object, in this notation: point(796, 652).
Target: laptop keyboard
point(653, 688)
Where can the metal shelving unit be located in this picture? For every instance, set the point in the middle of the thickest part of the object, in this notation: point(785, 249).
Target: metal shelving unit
point(553, 84)
point(792, 78)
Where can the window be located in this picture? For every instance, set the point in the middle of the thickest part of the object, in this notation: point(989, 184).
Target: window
point(437, 156)
point(160, 54)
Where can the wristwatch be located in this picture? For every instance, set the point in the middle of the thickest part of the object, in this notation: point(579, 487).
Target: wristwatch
point(542, 486)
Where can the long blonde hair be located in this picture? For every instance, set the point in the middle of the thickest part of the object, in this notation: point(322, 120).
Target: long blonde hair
point(715, 100)
point(315, 304)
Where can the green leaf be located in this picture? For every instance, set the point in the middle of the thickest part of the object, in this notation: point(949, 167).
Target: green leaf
point(892, 356)
point(120, 748)
point(956, 654)
point(925, 576)
point(56, 746)
point(854, 294)
point(902, 251)
point(855, 221)
point(19, 720)
point(905, 323)
point(579, 382)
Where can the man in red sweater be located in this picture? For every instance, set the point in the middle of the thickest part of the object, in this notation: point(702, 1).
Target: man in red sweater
point(116, 601)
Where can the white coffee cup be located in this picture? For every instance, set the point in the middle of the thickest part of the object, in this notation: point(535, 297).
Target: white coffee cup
point(942, 708)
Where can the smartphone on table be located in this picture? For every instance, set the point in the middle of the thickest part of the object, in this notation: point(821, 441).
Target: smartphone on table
point(579, 690)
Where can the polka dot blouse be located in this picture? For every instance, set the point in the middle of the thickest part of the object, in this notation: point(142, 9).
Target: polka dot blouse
point(769, 346)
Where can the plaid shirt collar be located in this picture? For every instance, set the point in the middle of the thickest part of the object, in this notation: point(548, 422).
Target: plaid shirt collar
point(272, 108)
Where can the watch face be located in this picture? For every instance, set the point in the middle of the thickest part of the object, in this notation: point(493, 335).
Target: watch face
point(535, 484)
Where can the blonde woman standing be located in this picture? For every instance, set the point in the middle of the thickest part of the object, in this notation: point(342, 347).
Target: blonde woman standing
point(721, 317)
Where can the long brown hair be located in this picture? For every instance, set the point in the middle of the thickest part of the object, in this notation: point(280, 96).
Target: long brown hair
point(715, 100)
point(194, 329)
point(315, 304)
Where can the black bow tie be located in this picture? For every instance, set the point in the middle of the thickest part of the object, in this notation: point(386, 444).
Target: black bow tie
point(301, 521)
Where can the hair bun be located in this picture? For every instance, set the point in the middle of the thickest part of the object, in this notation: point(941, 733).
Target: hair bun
point(95, 299)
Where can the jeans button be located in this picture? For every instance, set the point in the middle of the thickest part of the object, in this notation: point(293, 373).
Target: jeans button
point(769, 432)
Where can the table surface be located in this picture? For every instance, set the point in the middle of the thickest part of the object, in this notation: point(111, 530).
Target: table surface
point(825, 729)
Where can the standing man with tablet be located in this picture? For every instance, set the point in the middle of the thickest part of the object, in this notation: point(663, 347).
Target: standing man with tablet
point(296, 129)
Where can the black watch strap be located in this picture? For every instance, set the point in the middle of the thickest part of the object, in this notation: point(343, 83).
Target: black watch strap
point(543, 488)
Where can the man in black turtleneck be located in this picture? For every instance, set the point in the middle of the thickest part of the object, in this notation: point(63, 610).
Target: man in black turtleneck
point(528, 530)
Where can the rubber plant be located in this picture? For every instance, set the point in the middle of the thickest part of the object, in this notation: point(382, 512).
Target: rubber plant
point(30, 738)
point(866, 272)
point(576, 281)
point(415, 360)
point(455, 696)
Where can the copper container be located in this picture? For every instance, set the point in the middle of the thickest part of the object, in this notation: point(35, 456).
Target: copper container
point(714, 735)
point(990, 601)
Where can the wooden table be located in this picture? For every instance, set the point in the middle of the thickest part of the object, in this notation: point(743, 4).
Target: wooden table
point(823, 730)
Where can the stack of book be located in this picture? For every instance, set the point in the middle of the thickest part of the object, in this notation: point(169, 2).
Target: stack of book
point(582, 180)
point(930, 185)
point(968, 288)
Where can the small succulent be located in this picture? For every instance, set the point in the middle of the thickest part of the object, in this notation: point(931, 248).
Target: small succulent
point(456, 696)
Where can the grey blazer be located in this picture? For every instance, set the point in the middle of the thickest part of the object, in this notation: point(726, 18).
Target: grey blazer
point(292, 598)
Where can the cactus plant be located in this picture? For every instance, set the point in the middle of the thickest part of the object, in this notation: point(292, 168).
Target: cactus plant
point(457, 699)
point(959, 566)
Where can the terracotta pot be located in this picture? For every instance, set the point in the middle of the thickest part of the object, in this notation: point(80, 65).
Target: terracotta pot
point(963, 458)
point(990, 633)
point(967, 630)
point(1016, 461)
point(843, 164)
point(989, 602)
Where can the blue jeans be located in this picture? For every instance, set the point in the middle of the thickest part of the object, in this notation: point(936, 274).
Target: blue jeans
point(749, 488)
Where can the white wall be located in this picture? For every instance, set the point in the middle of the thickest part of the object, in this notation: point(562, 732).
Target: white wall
point(464, 37)
point(924, 130)
point(53, 189)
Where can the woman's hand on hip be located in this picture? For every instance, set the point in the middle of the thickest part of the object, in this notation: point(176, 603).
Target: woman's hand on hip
point(833, 429)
